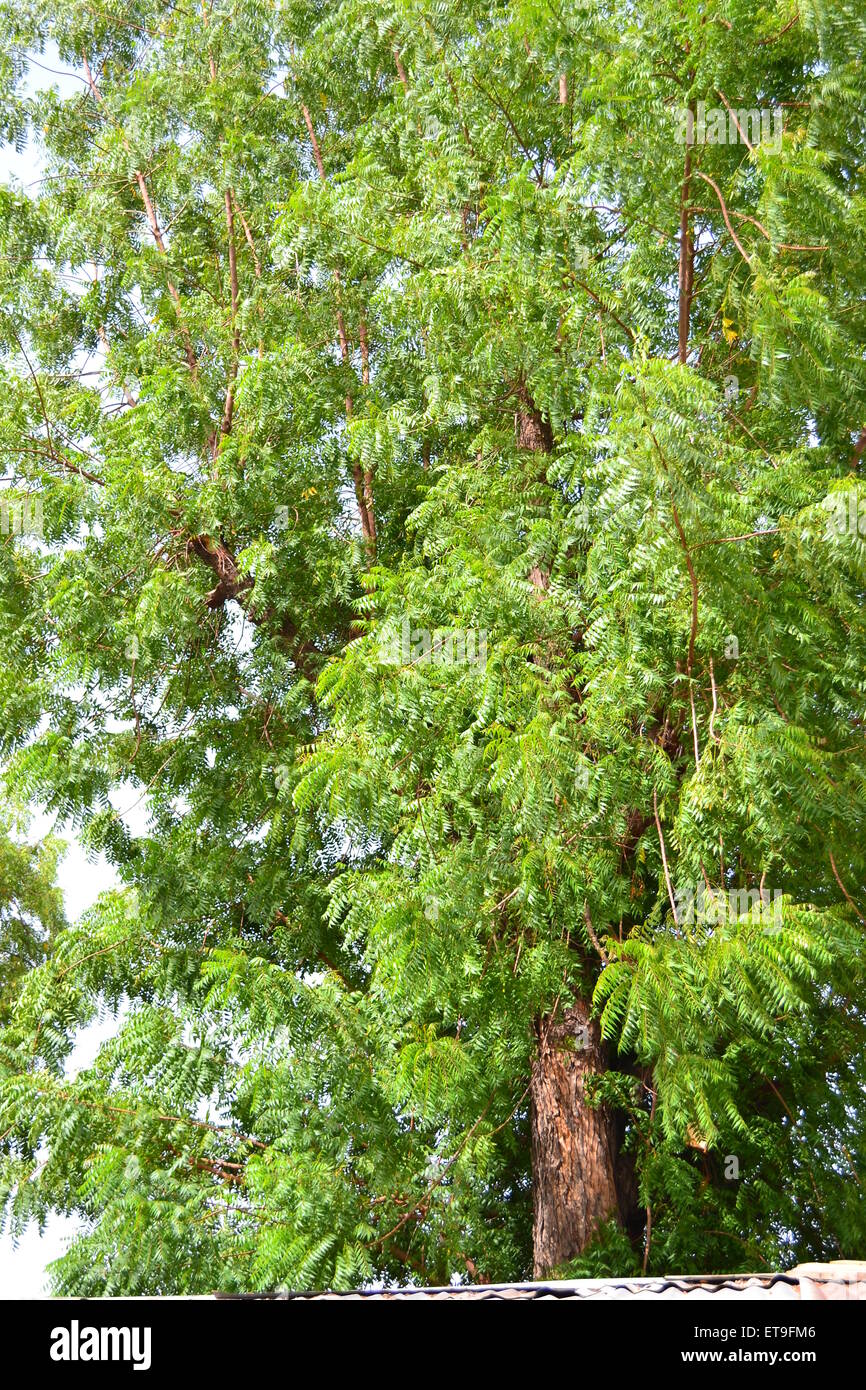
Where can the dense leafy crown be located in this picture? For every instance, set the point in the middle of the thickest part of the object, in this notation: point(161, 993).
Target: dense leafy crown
point(335, 324)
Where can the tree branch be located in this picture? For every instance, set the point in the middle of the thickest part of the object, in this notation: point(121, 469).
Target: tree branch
point(664, 857)
point(228, 409)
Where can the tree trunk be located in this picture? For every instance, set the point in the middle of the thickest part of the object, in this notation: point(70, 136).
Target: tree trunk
point(574, 1148)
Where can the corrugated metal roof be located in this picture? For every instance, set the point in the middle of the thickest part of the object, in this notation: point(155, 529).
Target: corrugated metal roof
point(841, 1279)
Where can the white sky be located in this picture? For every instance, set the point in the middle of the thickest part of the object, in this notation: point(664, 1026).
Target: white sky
point(22, 1266)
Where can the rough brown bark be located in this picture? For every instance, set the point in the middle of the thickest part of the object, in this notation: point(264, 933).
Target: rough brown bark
point(574, 1147)
point(533, 431)
point(230, 583)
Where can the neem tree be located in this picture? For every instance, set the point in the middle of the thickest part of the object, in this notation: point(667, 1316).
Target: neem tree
point(446, 419)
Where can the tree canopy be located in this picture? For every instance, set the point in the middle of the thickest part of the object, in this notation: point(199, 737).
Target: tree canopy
point(432, 434)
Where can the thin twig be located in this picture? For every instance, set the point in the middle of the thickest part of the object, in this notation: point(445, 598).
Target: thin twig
point(664, 858)
point(715, 187)
point(842, 886)
point(713, 735)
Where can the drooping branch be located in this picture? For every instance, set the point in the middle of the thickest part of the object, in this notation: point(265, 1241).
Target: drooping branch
point(228, 409)
point(668, 884)
point(248, 234)
point(369, 510)
point(693, 581)
point(363, 482)
point(317, 153)
point(153, 222)
point(401, 71)
point(127, 394)
point(231, 584)
point(607, 309)
point(725, 214)
point(147, 1116)
point(693, 578)
point(687, 262)
point(53, 451)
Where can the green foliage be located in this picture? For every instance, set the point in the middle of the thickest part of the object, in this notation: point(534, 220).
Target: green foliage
point(31, 909)
point(301, 286)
